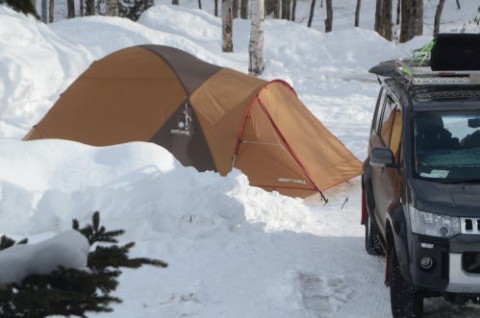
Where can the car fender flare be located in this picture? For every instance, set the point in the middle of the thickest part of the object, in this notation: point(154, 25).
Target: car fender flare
point(397, 224)
point(368, 203)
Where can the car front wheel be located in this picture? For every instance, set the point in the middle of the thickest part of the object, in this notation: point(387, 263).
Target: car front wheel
point(406, 301)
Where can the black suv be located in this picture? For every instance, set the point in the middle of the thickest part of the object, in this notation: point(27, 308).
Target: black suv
point(421, 183)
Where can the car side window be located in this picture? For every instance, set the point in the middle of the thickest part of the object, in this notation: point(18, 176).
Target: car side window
point(379, 109)
point(387, 120)
point(396, 134)
point(391, 127)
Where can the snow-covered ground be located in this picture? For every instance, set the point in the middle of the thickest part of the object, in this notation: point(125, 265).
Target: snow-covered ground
point(233, 250)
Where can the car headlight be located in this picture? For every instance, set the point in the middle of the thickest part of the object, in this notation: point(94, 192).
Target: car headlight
point(433, 224)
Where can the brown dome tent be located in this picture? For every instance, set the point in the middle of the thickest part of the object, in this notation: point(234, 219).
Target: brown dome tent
point(209, 117)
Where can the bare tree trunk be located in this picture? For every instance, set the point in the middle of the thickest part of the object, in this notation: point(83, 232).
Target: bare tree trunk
point(387, 19)
point(44, 11)
point(276, 9)
point(235, 9)
point(412, 19)
point(255, 46)
point(310, 17)
point(321, 4)
point(111, 8)
point(176, 2)
point(378, 18)
point(438, 15)
point(51, 10)
point(399, 3)
point(82, 9)
point(405, 20)
point(329, 19)
point(200, 4)
point(458, 4)
point(417, 18)
point(71, 9)
point(147, 4)
point(383, 18)
point(286, 4)
point(244, 9)
point(294, 9)
point(216, 8)
point(90, 7)
point(357, 13)
point(227, 26)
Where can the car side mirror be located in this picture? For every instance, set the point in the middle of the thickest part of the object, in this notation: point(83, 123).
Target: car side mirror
point(382, 157)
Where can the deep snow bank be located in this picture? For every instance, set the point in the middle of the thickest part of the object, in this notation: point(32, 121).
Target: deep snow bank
point(45, 184)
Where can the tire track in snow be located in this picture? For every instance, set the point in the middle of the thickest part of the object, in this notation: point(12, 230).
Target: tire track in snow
point(371, 298)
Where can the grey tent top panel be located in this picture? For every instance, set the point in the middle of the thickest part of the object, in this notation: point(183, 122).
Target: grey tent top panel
point(191, 71)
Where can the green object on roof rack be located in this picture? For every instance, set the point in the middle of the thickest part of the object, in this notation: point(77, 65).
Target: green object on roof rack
point(405, 70)
point(426, 50)
point(418, 58)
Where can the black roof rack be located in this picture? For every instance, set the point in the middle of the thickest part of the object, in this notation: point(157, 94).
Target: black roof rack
point(416, 71)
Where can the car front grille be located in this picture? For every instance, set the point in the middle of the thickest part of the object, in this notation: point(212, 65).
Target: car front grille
point(470, 225)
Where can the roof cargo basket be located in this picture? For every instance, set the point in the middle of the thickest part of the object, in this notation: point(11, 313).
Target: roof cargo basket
point(449, 59)
point(416, 73)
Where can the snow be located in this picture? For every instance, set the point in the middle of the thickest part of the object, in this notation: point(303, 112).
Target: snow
point(68, 249)
point(233, 250)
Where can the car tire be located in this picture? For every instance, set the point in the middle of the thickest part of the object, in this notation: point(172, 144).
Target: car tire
point(373, 245)
point(405, 300)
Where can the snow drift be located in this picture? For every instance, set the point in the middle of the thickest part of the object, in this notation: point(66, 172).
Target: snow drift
point(233, 250)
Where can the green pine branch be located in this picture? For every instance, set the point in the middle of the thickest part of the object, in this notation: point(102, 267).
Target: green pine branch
point(72, 292)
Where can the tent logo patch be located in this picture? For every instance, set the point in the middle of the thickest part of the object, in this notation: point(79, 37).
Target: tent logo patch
point(184, 125)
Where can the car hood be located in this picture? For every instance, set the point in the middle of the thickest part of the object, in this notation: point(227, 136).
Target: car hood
point(442, 198)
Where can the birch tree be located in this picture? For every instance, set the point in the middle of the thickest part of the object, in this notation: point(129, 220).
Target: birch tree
point(227, 26)
point(438, 15)
point(255, 46)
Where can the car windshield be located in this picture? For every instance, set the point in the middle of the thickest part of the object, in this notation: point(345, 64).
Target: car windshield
point(447, 146)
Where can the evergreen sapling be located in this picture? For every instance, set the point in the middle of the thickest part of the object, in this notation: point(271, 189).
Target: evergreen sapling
point(72, 292)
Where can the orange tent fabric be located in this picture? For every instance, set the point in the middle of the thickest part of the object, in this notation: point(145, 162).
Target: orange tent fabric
point(209, 117)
